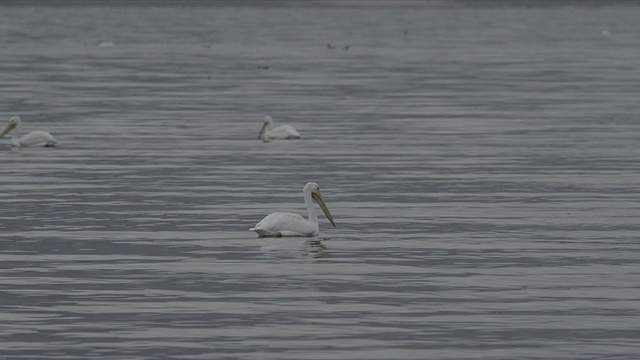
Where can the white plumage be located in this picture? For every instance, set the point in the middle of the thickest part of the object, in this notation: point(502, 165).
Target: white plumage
point(278, 133)
point(288, 224)
point(31, 139)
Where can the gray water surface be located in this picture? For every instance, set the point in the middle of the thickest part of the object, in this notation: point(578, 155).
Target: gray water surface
point(482, 169)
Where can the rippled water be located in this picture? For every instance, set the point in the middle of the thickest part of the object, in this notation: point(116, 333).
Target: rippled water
point(482, 168)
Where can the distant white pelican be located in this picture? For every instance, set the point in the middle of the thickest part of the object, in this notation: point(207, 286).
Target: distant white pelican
point(101, 43)
point(32, 138)
point(280, 132)
point(288, 224)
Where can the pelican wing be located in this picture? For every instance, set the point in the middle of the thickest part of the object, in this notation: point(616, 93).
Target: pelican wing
point(37, 138)
point(284, 224)
point(284, 132)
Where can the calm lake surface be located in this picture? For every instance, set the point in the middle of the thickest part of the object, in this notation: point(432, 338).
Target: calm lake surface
point(482, 165)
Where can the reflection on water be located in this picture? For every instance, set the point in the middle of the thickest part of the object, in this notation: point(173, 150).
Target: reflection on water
point(481, 165)
point(316, 249)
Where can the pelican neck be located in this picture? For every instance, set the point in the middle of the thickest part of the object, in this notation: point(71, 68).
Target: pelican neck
point(311, 210)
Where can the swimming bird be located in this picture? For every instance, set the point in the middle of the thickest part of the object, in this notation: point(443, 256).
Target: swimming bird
point(288, 224)
point(279, 132)
point(101, 43)
point(33, 138)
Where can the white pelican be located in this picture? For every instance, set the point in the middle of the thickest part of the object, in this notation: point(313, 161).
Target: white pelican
point(288, 224)
point(33, 138)
point(280, 132)
point(101, 43)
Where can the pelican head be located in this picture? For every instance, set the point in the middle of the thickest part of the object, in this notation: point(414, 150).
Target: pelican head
point(14, 123)
point(314, 190)
point(265, 124)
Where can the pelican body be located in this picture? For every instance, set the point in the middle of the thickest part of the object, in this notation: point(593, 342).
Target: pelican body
point(278, 133)
point(288, 224)
point(33, 138)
